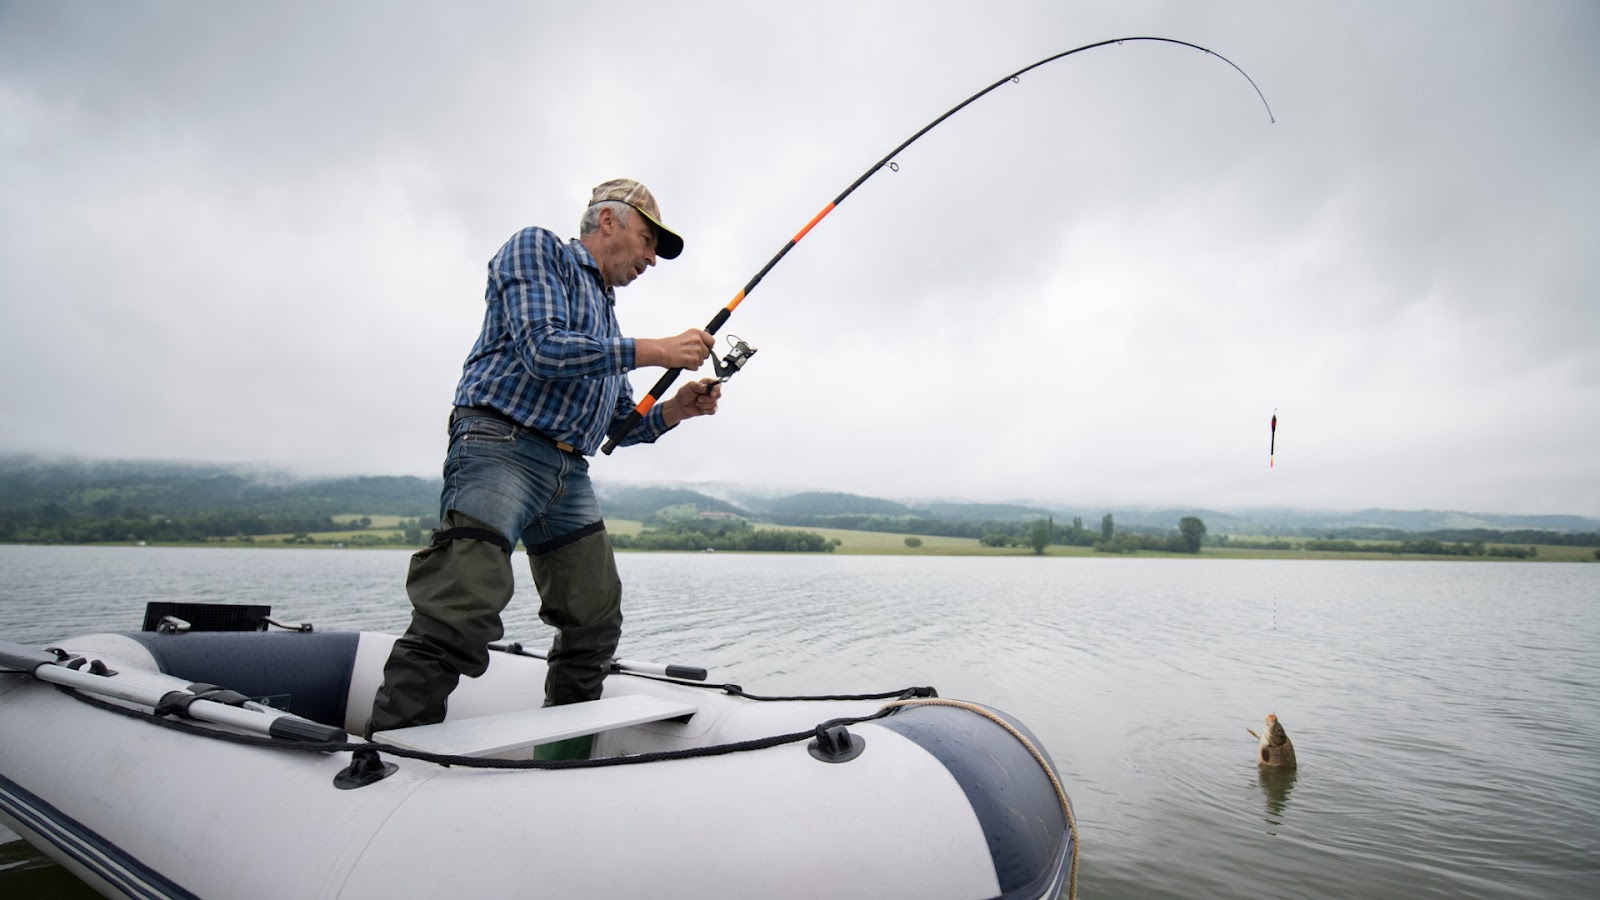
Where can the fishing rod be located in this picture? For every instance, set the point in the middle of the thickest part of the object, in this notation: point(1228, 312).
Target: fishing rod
point(741, 350)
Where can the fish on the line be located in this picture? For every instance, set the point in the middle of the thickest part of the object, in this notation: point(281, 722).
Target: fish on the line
point(1272, 446)
point(1276, 750)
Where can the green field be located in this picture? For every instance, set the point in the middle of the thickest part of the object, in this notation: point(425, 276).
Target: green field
point(377, 521)
point(873, 543)
point(1546, 553)
point(876, 543)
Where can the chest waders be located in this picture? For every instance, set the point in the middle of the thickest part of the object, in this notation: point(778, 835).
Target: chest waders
point(580, 595)
point(458, 587)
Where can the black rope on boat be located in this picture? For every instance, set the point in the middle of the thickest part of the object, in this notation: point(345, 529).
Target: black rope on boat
point(910, 693)
point(516, 648)
point(469, 762)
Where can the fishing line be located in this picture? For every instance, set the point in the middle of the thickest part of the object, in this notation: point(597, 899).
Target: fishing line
point(888, 161)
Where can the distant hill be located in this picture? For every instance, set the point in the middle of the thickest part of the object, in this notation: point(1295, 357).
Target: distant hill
point(120, 488)
point(36, 490)
point(988, 512)
point(628, 502)
point(816, 503)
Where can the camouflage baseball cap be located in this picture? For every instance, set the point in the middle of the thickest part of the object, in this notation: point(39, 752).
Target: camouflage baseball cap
point(636, 195)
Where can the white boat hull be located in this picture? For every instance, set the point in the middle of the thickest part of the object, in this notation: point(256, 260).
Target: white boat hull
point(941, 801)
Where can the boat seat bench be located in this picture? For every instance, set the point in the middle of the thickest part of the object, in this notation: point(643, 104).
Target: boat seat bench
point(508, 732)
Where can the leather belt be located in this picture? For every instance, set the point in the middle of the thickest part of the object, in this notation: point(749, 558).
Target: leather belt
point(468, 412)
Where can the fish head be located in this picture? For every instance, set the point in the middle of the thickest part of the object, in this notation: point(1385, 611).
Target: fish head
point(1275, 735)
point(1276, 749)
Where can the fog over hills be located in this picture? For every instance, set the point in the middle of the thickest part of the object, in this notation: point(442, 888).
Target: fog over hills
point(34, 485)
point(763, 502)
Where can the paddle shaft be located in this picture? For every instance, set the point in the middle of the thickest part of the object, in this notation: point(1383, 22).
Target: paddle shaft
point(257, 719)
point(687, 673)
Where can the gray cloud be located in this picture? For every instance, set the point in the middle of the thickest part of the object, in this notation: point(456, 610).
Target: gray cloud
point(258, 233)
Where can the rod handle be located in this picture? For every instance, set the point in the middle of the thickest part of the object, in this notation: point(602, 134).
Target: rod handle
point(637, 413)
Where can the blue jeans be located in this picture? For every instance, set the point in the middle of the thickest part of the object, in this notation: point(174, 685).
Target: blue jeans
point(503, 483)
point(518, 483)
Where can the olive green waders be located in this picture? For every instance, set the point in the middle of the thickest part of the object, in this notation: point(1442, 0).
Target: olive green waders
point(459, 586)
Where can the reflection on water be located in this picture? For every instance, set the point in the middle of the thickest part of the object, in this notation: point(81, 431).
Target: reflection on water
point(1135, 674)
point(1276, 784)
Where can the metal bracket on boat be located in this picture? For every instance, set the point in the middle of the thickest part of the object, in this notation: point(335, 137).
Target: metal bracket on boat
point(366, 767)
point(16, 657)
point(76, 662)
point(215, 694)
point(835, 744)
point(305, 627)
point(175, 625)
point(172, 625)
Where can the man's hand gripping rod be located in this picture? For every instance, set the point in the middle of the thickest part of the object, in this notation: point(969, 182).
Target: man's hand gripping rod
point(725, 369)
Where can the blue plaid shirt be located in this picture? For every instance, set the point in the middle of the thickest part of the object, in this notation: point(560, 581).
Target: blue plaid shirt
point(551, 354)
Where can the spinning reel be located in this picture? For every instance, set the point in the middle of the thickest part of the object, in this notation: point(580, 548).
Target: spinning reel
point(734, 361)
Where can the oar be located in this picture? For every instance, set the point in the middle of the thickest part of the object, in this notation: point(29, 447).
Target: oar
point(256, 718)
point(687, 673)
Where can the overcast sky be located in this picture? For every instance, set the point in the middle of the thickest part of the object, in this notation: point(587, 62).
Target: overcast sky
point(257, 233)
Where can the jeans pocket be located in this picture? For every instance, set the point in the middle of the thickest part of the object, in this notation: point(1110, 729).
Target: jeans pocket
point(486, 429)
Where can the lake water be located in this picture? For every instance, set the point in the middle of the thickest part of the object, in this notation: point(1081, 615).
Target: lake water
point(1446, 714)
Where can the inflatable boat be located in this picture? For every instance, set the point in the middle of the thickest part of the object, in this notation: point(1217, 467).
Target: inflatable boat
point(185, 762)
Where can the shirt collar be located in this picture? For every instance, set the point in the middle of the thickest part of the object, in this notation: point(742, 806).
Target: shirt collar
point(587, 260)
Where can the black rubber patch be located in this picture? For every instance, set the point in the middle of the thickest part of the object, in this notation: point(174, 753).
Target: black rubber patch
point(1011, 795)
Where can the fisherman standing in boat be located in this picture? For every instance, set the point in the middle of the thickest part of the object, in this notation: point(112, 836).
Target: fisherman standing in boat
point(545, 382)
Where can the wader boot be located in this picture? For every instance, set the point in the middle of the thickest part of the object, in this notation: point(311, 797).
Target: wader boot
point(580, 596)
point(458, 587)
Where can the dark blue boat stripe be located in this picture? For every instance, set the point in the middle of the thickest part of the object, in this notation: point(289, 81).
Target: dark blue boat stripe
point(311, 671)
point(1015, 803)
point(108, 861)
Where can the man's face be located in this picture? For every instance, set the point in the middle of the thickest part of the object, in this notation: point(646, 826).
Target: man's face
point(631, 248)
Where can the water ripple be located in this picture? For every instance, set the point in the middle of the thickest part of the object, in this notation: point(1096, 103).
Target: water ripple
point(1444, 715)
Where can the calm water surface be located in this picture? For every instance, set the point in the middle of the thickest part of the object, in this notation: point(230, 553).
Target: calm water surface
point(1446, 714)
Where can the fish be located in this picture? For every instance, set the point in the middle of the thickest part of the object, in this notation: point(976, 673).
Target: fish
point(1277, 751)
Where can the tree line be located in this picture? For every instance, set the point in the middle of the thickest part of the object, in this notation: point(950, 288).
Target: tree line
point(1426, 547)
point(1188, 537)
point(1467, 536)
point(722, 534)
point(49, 526)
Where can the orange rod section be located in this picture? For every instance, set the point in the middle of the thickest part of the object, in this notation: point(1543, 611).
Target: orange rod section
point(734, 303)
point(645, 404)
point(813, 223)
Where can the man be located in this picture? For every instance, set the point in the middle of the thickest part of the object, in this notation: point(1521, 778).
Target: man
point(545, 382)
